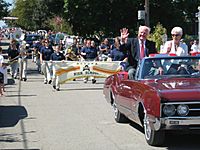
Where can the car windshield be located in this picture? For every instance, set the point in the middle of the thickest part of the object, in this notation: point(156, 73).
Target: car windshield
point(171, 66)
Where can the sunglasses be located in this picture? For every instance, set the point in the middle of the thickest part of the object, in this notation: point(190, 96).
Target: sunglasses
point(175, 34)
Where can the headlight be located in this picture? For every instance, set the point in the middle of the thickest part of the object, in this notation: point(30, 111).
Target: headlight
point(169, 110)
point(182, 110)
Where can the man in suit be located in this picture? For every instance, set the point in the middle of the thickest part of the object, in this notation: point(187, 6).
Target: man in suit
point(137, 48)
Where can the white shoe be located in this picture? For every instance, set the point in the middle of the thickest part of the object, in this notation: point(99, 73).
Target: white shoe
point(85, 80)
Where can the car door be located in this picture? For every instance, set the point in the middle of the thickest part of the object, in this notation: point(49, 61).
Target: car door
point(124, 96)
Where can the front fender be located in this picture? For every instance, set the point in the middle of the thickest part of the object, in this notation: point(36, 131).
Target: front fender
point(152, 102)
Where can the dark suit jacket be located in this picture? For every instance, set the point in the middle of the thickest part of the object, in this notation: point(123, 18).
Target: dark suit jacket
point(133, 49)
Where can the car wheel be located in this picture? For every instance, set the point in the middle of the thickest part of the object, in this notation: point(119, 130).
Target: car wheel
point(154, 138)
point(119, 117)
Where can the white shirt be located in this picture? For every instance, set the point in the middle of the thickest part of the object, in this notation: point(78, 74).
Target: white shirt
point(1, 61)
point(3, 69)
point(180, 50)
point(194, 48)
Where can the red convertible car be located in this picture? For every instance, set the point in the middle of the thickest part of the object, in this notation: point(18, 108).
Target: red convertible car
point(160, 102)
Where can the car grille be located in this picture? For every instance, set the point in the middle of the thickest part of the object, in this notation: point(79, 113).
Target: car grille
point(194, 109)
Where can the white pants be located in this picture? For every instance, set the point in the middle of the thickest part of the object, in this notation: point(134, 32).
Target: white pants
point(47, 71)
point(55, 79)
point(22, 68)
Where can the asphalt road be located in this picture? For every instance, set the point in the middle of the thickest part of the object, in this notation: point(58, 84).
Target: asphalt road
point(34, 116)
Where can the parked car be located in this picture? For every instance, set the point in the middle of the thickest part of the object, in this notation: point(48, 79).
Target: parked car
point(158, 102)
point(31, 38)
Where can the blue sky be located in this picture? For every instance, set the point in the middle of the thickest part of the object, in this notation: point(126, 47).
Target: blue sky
point(9, 1)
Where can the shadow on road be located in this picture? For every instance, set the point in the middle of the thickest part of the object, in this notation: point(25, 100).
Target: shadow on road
point(11, 82)
point(80, 89)
point(21, 95)
point(10, 115)
point(137, 126)
point(182, 141)
point(176, 140)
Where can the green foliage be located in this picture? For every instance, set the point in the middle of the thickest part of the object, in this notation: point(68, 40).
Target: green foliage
point(30, 13)
point(108, 16)
point(86, 17)
point(157, 35)
point(4, 9)
point(35, 14)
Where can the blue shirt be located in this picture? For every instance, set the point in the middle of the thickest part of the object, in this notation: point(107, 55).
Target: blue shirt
point(46, 52)
point(117, 55)
point(91, 52)
point(103, 46)
point(57, 56)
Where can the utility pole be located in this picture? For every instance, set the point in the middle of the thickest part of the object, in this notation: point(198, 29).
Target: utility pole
point(198, 16)
point(147, 13)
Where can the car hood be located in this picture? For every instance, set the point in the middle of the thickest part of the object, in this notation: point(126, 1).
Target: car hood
point(176, 89)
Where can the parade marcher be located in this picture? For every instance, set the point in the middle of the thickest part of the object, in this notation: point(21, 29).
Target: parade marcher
point(89, 53)
point(104, 50)
point(175, 45)
point(2, 73)
point(23, 56)
point(115, 53)
point(45, 54)
point(72, 53)
point(137, 48)
point(13, 55)
point(56, 56)
point(36, 54)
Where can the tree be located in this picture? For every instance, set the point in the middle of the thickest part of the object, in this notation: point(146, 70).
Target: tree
point(4, 9)
point(28, 13)
point(86, 17)
point(35, 14)
point(108, 16)
point(172, 13)
point(158, 35)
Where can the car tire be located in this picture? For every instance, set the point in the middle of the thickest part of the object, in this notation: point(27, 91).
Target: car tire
point(119, 117)
point(153, 138)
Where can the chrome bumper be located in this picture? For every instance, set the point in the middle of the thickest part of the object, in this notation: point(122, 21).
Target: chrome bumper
point(180, 122)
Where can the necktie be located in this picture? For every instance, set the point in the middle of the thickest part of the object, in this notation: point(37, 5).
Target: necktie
point(142, 50)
